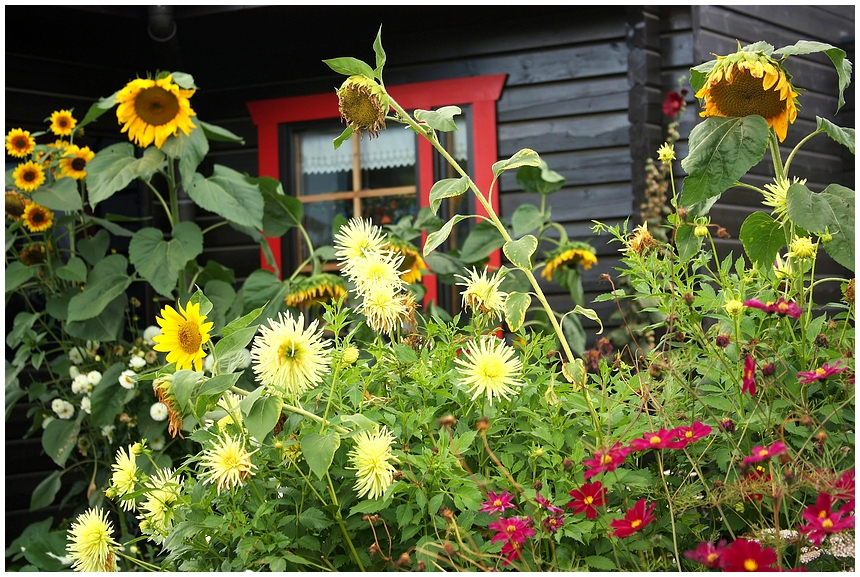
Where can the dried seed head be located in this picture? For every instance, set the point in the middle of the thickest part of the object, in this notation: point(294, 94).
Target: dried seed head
point(363, 104)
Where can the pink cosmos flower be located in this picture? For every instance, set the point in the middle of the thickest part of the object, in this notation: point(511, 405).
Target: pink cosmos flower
point(672, 104)
point(511, 551)
point(763, 453)
point(707, 554)
point(823, 520)
point(690, 434)
point(606, 460)
point(781, 307)
point(662, 439)
point(743, 555)
point(497, 503)
point(821, 373)
point(587, 498)
point(553, 523)
point(844, 487)
point(513, 529)
point(748, 385)
point(634, 520)
point(544, 502)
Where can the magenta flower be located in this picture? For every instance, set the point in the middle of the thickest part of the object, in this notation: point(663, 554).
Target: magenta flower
point(634, 520)
point(707, 554)
point(606, 460)
point(823, 520)
point(587, 498)
point(763, 453)
point(690, 434)
point(672, 104)
point(844, 487)
point(511, 551)
point(553, 523)
point(821, 373)
point(743, 555)
point(662, 439)
point(781, 307)
point(748, 385)
point(544, 502)
point(514, 529)
point(497, 503)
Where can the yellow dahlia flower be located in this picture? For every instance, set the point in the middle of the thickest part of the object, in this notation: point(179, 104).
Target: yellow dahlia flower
point(62, 122)
point(92, 546)
point(228, 463)
point(776, 196)
point(802, 248)
point(37, 218)
point(370, 458)
point(488, 367)
point(28, 176)
point(162, 490)
point(19, 143)
point(413, 264)
point(377, 269)
point(182, 336)
point(363, 104)
point(152, 110)
point(125, 477)
point(385, 307)
point(569, 255)
point(641, 242)
point(482, 293)
point(357, 239)
point(74, 161)
point(746, 83)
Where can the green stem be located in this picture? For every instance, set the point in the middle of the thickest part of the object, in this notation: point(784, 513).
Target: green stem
point(161, 200)
point(144, 564)
point(749, 186)
point(797, 147)
point(317, 418)
point(775, 156)
point(339, 518)
point(214, 226)
point(671, 510)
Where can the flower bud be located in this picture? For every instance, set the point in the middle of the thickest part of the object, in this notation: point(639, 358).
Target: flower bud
point(722, 341)
point(701, 231)
point(768, 370)
point(350, 355)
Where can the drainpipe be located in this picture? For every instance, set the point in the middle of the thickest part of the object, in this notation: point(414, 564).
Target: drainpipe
point(162, 26)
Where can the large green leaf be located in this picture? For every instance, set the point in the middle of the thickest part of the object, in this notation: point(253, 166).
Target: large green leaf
point(281, 213)
point(106, 326)
point(160, 261)
point(844, 136)
point(762, 238)
point(96, 296)
point(524, 157)
point(434, 239)
point(516, 306)
point(520, 251)
point(113, 168)
point(349, 66)
point(17, 273)
point(218, 384)
point(319, 450)
point(687, 243)
point(721, 151)
point(93, 249)
point(184, 383)
point(540, 179)
point(61, 195)
point(99, 108)
point(836, 55)
point(482, 240)
point(190, 150)
point(809, 210)
point(447, 188)
point(526, 218)
point(109, 397)
point(229, 194)
point(75, 270)
point(46, 491)
point(60, 437)
point(441, 119)
point(379, 52)
point(262, 415)
point(218, 133)
point(841, 201)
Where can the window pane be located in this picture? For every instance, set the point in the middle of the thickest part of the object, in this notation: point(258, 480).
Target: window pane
point(388, 160)
point(324, 169)
point(389, 209)
point(319, 217)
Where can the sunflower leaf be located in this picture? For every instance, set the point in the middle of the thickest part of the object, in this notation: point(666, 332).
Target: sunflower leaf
point(61, 195)
point(96, 297)
point(844, 136)
point(524, 157)
point(262, 416)
point(113, 168)
point(183, 80)
point(349, 66)
point(520, 251)
point(229, 194)
point(434, 239)
point(17, 273)
point(159, 261)
point(516, 306)
point(344, 136)
point(721, 151)
point(762, 238)
point(441, 119)
point(482, 240)
point(447, 188)
point(99, 108)
point(836, 55)
point(380, 54)
point(760, 46)
point(106, 326)
point(540, 179)
point(526, 218)
point(218, 133)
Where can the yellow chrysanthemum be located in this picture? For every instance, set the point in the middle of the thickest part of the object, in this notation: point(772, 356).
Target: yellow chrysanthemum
point(125, 477)
point(74, 161)
point(482, 293)
point(802, 248)
point(357, 239)
point(385, 308)
point(569, 255)
point(319, 288)
point(666, 152)
point(62, 122)
point(371, 459)
point(776, 196)
point(37, 217)
point(182, 336)
point(162, 490)
point(15, 205)
point(378, 269)
point(33, 254)
point(641, 242)
point(746, 83)
point(488, 367)
point(92, 546)
point(19, 143)
point(412, 265)
point(152, 110)
point(28, 176)
point(228, 463)
point(287, 358)
point(362, 104)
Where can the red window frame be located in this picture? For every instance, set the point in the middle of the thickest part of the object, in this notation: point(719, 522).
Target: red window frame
point(481, 92)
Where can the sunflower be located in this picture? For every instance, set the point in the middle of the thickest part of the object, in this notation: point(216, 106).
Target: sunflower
point(29, 176)
point(357, 239)
point(15, 204)
point(746, 83)
point(413, 264)
point(37, 217)
point(62, 122)
point(482, 293)
point(370, 459)
point(74, 161)
point(363, 104)
point(569, 255)
point(92, 547)
point(19, 143)
point(152, 110)
point(488, 367)
point(319, 288)
point(288, 358)
point(228, 463)
point(33, 254)
point(182, 336)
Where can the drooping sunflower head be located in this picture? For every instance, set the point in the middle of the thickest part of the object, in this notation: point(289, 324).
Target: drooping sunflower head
point(228, 463)
point(569, 255)
point(91, 546)
point(319, 288)
point(29, 176)
point(746, 83)
point(482, 293)
point(62, 122)
point(183, 335)
point(15, 204)
point(363, 104)
point(489, 368)
point(74, 161)
point(371, 459)
point(413, 264)
point(152, 110)
point(19, 143)
point(37, 218)
point(163, 388)
point(33, 254)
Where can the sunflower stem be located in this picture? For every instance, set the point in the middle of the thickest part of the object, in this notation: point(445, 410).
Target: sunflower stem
point(797, 147)
point(749, 186)
point(775, 156)
point(161, 200)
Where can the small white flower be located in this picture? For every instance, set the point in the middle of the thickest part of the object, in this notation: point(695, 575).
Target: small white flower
point(246, 358)
point(158, 411)
point(86, 405)
point(125, 379)
point(107, 432)
point(208, 363)
point(74, 372)
point(157, 444)
point(47, 421)
point(75, 355)
point(64, 409)
point(137, 362)
point(81, 385)
point(149, 333)
point(92, 346)
point(94, 377)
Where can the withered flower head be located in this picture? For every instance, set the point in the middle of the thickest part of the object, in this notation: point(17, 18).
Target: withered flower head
point(15, 205)
point(363, 104)
point(641, 242)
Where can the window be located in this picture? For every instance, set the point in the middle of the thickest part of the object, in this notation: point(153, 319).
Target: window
point(372, 177)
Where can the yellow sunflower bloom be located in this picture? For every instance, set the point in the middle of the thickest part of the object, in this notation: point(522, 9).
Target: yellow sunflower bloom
point(746, 83)
point(19, 143)
point(62, 122)
point(183, 335)
point(92, 546)
point(287, 358)
point(482, 293)
point(488, 367)
point(370, 458)
point(228, 463)
point(319, 288)
point(28, 176)
point(74, 161)
point(125, 477)
point(15, 204)
point(569, 255)
point(37, 218)
point(413, 264)
point(33, 254)
point(152, 110)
